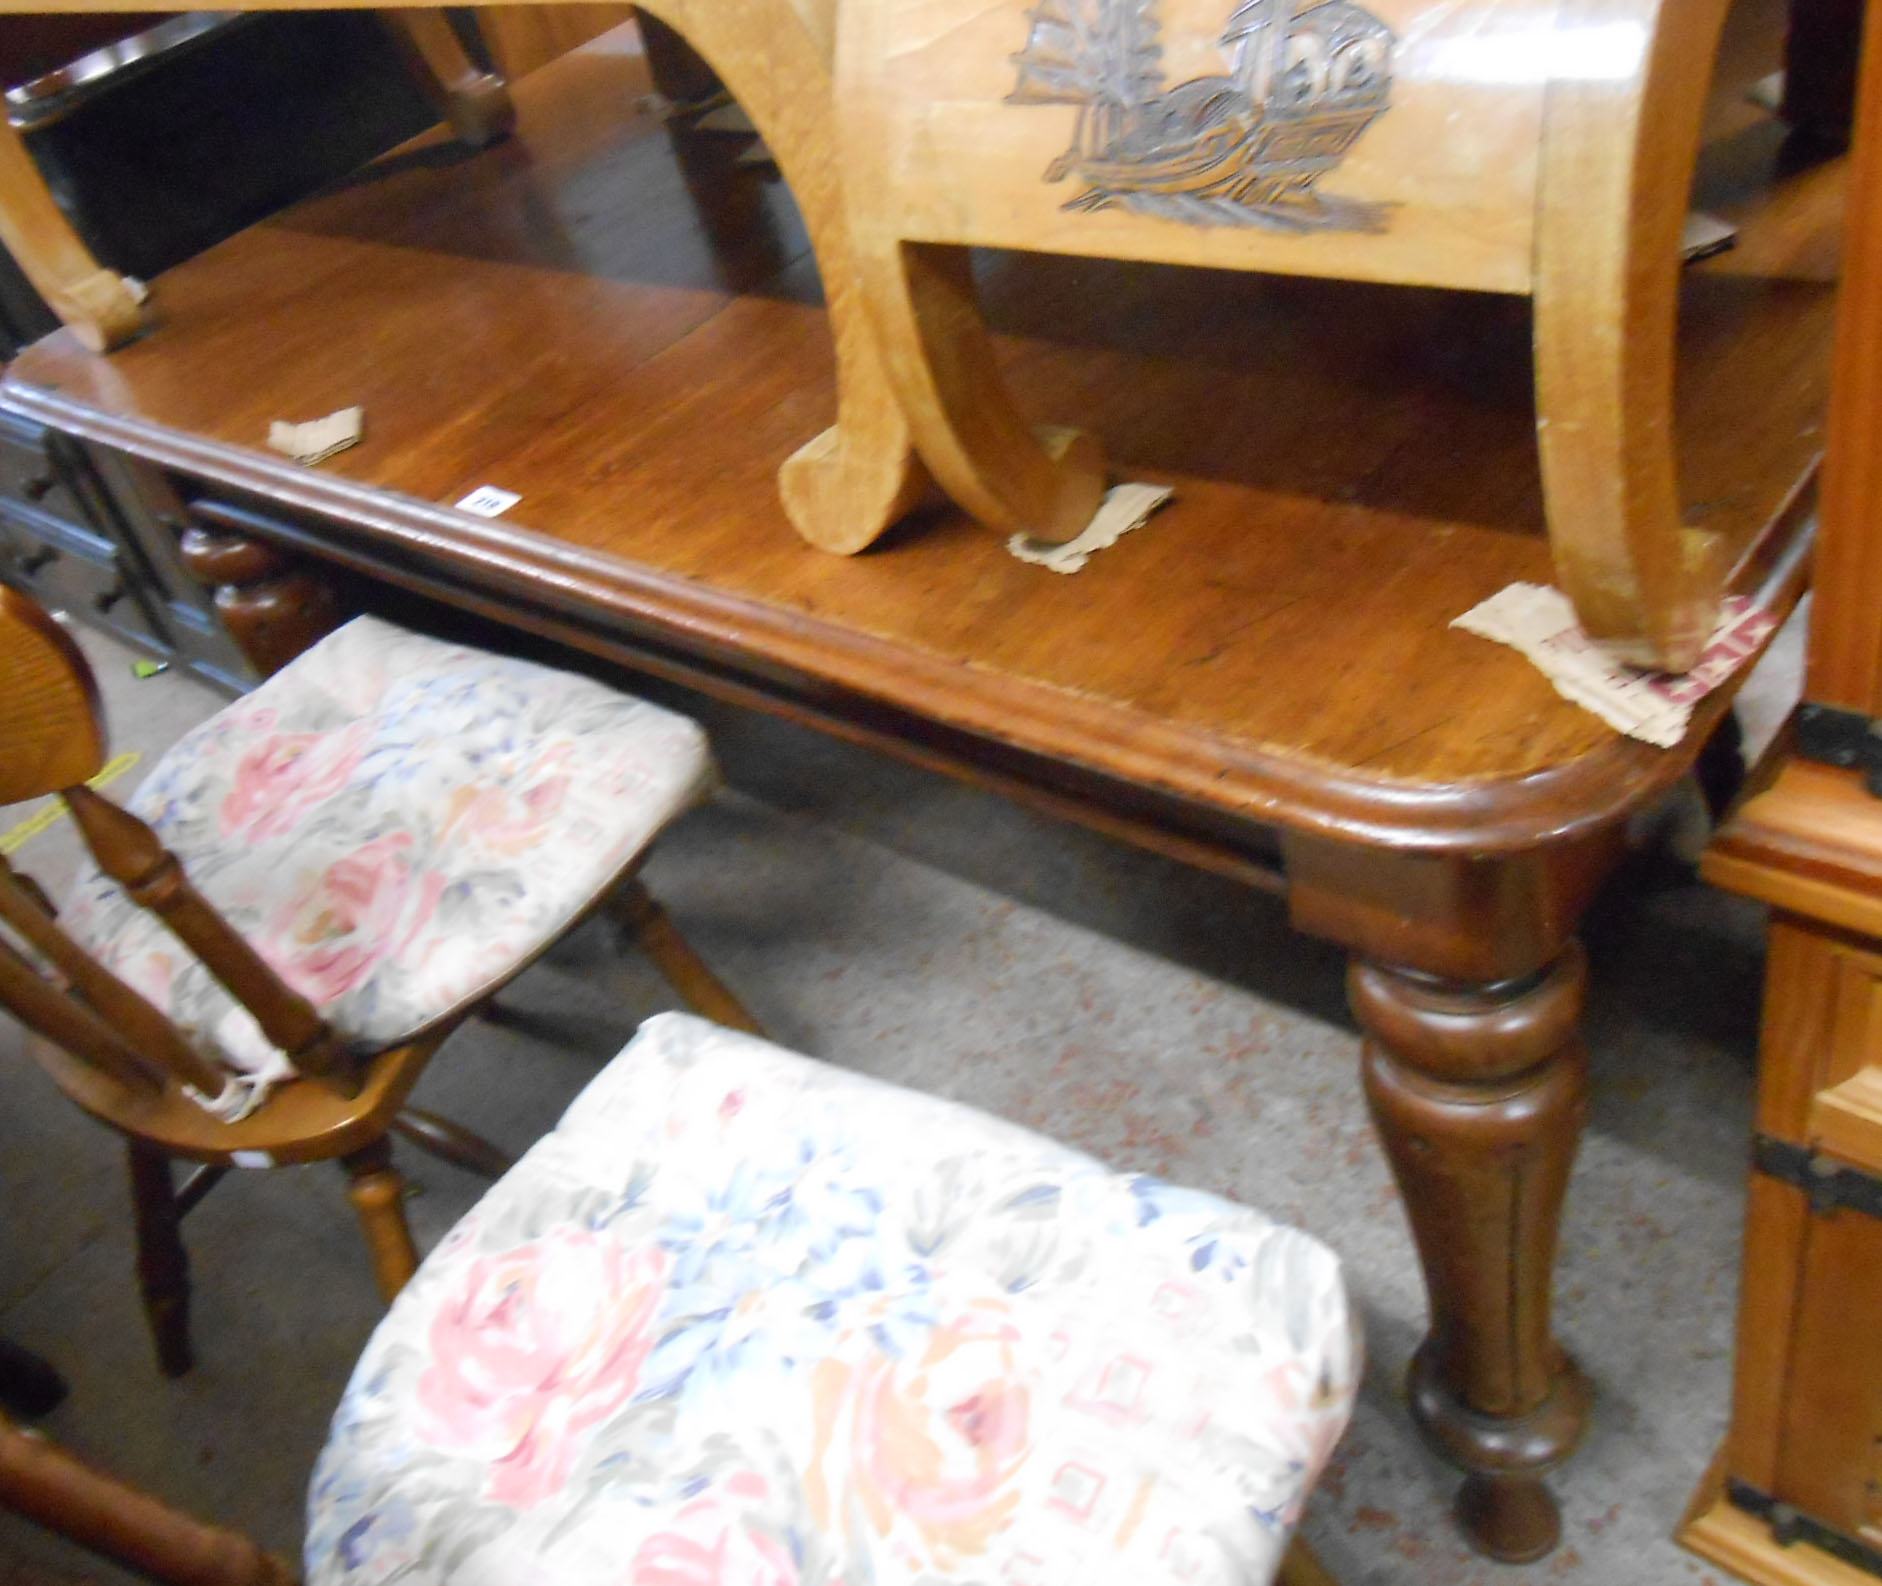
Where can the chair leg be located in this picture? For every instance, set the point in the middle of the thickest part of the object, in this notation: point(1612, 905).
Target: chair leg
point(669, 952)
point(54, 1489)
point(453, 1143)
point(377, 1191)
point(97, 304)
point(29, 1386)
point(475, 102)
point(163, 1266)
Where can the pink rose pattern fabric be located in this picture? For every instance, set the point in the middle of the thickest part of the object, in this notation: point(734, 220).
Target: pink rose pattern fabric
point(743, 1319)
point(397, 825)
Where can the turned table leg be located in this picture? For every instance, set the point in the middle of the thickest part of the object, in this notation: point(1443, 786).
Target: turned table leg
point(1467, 983)
point(1479, 1093)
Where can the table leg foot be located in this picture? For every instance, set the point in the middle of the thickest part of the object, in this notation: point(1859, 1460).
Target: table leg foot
point(1512, 1519)
point(1479, 1093)
point(1504, 1507)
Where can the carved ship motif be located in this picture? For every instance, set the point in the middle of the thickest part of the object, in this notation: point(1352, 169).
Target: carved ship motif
point(1244, 149)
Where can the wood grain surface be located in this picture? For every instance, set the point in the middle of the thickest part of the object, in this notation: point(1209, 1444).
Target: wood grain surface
point(625, 329)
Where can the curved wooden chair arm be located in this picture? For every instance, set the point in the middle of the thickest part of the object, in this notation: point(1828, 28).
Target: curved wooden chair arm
point(843, 488)
point(96, 304)
point(1549, 158)
point(1617, 166)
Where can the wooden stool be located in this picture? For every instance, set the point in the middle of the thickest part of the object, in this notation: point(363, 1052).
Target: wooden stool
point(1521, 147)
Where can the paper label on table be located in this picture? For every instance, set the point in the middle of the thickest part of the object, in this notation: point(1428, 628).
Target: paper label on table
point(318, 439)
point(726, 118)
point(1654, 707)
point(1125, 507)
point(489, 502)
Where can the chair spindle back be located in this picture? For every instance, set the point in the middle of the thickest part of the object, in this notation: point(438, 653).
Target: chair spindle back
point(51, 740)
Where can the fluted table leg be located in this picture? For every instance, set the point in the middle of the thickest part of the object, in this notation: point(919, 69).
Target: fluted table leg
point(1479, 1093)
point(1468, 984)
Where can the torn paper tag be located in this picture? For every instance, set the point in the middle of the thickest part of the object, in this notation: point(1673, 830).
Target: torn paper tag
point(1652, 706)
point(318, 439)
point(1125, 507)
point(1705, 235)
point(726, 118)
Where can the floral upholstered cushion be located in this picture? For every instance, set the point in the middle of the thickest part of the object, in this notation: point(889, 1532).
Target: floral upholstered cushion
point(397, 825)
point(746, 1318)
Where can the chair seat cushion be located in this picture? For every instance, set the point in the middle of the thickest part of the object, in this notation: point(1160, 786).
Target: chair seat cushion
point(396, 824)
point(743, 1317)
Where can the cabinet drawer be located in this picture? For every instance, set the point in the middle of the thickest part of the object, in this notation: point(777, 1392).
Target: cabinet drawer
point(33, 475)
point(79, 574)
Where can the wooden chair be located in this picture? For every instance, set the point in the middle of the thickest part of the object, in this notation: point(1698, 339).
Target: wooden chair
point(746, 1316)
point(844, 486)
point(308, 1047)
point(105, 309)
point(1545, 152)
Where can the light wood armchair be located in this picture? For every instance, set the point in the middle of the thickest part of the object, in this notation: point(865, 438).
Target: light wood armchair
point(1543, 151)
point(105, 309)
point(842, 488)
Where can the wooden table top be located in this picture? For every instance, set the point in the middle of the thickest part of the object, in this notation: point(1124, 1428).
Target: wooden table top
point(628, 337)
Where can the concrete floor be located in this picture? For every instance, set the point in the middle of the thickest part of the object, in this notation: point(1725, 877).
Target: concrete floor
point(904, 926)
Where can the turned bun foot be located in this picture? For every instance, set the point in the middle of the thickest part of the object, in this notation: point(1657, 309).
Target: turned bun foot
point(1512, 1519)
point(1504, 1509)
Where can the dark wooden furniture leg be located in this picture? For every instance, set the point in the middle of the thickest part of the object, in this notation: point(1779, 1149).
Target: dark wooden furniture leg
point(273, 604)
point(680, 72)
point(163, 1267)
point(453, 1143)
point(29, 1386)
point(1820, 56)
point(1468, 985)
point(1479, 1093)
point(53, 1489)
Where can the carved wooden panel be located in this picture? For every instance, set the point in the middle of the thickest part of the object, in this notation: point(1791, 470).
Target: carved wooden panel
point(1390, 140)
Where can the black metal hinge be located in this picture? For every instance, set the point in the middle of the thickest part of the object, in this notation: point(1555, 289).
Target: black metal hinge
point(1831, 1185)
point(1789, 1527)
point(1841, 737)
